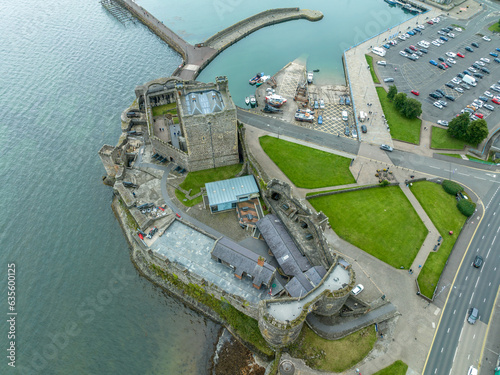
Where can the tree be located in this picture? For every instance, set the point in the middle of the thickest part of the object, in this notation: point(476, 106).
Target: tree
point(412, 108)
point(457, 128)
point(477, 132)
point(392, 92)
point(399, 101)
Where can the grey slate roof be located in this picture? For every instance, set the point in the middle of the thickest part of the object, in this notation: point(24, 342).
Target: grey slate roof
point(303, 283)
point(228, 191)
point(203, 102)
point(243, 260)
point(291, 261)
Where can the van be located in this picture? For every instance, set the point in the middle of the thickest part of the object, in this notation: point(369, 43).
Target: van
point(382, 62)
point(473, 315)
point(389, 80)
point(344, 115)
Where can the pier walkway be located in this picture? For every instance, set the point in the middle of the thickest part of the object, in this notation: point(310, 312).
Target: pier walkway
point(197, 57)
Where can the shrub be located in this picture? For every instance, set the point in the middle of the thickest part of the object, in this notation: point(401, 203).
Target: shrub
point(466, 207)
point(384, 183)
point(452, 187)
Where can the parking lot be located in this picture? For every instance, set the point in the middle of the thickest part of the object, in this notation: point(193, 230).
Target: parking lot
point(425, 78)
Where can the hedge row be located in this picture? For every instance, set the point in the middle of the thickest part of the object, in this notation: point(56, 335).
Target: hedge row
point(452, 187)
point(466, 207)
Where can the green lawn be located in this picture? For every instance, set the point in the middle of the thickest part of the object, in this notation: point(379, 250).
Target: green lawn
point(441, 208)
point(441, 139)
point(333, 356)
point(479, 160)
point(196, 180)
point(369, 60)
point(402, 129)
point(452, 155)
point(166, 108)
point(495, 28)
point(307, 167)
point(381, 221)
point(397, 368)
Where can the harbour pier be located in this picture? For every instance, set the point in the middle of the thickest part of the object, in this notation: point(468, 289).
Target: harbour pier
point(197, 57)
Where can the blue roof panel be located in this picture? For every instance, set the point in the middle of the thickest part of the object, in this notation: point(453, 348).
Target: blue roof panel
point(228, 191)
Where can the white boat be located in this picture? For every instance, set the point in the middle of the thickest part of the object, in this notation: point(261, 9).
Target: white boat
point(310, 77)
point(253, 101)
point(247, 100)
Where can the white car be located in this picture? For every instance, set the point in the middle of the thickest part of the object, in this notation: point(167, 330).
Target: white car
point(459, 89)
point(408, 36)
point(451, 61)
point(436, 43)
point(480, 63)
point(436, 20)
point(442, 123)
point(402, 37)
point(451, 54)
point(403, 53)
point(421, 27)
point(485, 59)
point(488, 94)
point(358, 289)
point(489, 107)
point(439, 105)
point(488, 39)
point(471, 69)
point(472, 371)
point(451, 35)
point(456, 80)
point(458, 29)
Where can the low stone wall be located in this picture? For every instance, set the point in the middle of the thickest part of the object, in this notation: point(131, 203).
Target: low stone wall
point(347, 190)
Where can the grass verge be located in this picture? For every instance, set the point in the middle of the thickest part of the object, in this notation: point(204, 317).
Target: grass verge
point(307, 167)
point(369, 60)
point(402, 129)
point(246, 327)
point(381, 221)
point(441, 139)
point(397, 368)
point(196, 180)
point(328, 191)
point(333, 356)
point(495, 27)
point(452, 155)
point(187, 202)
point(441, 208)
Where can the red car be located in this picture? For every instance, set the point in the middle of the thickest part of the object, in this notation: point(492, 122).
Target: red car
point(430, 22)
point(445, 65)
point(414, 92)
point(479, 115)
point(413, 48)
point(495, 100)
point(460, 55)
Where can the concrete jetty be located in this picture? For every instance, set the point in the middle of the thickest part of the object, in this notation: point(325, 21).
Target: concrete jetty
point(197, 57)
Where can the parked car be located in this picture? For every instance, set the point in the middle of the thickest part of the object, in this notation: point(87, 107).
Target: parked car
point(496, 101)
point(476, 66)
point(423, 50)
point(450, 97)
point(485, 59)
point(443, 103)
point(467, 72)
point(403, 53)
point(451, 61)
point(383, 63)
point(433, 62)
point(414, 92)
point(358, 289)
point(386, 147)
point(413, 48)
point(478, 75)
point(386, 46)
point(479, 115)
point(489, 107)
point(460, 75)
point(438, 105)
point(488, 94)
point(441, 66)
point(388, 79)
point(443, 38)
point(484, 99)
point(460, 55)
point(469, 49)
point(479, 62)
point(497, 60)
point(487, 38)
point(441, 32)
point(451, 35)
point(450, 54)
point(456, 80)
point(459, 89)
point(441, 58)
point(364, 129)
point(440, 91)
point(474, 44)
point(485, 70)
point(449, 84)
point(435, 95)
point(494, 54)
point(442, 123)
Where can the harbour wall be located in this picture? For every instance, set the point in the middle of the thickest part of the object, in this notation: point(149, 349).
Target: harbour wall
point(234, 33)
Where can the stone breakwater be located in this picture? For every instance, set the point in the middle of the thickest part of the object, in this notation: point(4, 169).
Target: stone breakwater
point(197, 57)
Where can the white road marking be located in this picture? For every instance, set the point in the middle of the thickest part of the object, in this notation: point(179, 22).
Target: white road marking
point(434, 168)
point(494, 240)
point(480, 178)
point(454, 311)
point(460, 295)
point(448, 331)
point(474, 336)
point(482, 238)
point(484, 300)
point(442, 349)
point(488, 253)
point(477, 281)
point(456, 349)
point(466, 278)
point(489, 284)
point(471, 298)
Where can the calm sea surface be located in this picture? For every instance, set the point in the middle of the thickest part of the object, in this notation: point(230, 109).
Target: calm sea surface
point(67, 70)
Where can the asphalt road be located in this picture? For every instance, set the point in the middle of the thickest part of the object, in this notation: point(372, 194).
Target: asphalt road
point(420, 75)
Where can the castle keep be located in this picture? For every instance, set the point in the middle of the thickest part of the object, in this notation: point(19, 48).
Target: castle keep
point(191, 124)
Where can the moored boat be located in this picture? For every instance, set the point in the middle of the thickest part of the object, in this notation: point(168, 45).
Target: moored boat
point(262, 80)
point(310, 77)
point(275, 100)
point(247, 100)
point(255, 79)
point(253, 101)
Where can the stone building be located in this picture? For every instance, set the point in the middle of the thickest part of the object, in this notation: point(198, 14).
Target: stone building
point(190, 123)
